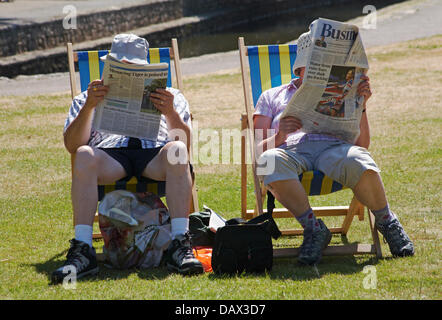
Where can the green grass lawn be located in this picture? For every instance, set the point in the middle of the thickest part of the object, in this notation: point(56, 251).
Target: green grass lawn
point(405, 116)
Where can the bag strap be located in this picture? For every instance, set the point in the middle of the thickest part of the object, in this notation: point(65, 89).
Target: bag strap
point(270, 202)
point(271, 227)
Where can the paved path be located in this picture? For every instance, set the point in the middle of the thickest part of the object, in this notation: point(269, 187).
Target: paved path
point(396, 23)
point(31, 11)
point(400, 22)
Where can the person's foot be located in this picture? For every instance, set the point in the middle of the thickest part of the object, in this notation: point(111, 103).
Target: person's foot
point(180, 257)
point(396, 238)
point(314, 242)
point(81, 259)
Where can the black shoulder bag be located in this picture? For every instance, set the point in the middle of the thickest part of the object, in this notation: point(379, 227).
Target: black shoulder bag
point(245, 246)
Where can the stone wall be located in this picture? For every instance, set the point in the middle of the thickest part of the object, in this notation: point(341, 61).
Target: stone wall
point(16, 39)
point(40, 47)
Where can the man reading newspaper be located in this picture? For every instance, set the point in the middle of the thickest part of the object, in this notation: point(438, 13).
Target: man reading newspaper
point(311, 133)
point(103, 158)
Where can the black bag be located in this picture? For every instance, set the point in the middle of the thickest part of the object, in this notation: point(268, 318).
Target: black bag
point(245, 246)
point(200, 233)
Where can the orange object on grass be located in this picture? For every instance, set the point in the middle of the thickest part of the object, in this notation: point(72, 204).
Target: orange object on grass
point(204, 255)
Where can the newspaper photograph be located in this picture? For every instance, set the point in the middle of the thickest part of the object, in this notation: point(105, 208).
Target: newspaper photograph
point(127, 109)
point(327, 100)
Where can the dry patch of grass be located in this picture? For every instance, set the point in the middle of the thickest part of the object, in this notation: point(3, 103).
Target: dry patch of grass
point(216, 100)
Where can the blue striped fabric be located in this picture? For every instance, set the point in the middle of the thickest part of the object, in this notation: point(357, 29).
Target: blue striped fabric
point(83, 66)
point(85, 59)
point(134, 185)
point(255, 76)
point(275, 66)
point(165, 57)
point(101, 63)
point(336, 186)
point(278, 66)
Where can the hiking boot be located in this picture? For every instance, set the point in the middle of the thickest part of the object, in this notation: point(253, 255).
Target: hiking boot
point(314, 242)
point(396, 238)
point(180, 257)
point(81, 258)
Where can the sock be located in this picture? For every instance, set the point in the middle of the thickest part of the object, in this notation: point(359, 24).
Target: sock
point(308, 220)
point(383, 216)
point(83, 232)
point(179, 226)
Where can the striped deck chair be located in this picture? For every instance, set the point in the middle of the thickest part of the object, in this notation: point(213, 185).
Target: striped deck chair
point(264, 67)
point(90, 68)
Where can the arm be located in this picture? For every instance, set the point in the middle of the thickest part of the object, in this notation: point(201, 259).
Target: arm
point(287, 125)
point(78, 132)
point(163, 101)
point(364, 136)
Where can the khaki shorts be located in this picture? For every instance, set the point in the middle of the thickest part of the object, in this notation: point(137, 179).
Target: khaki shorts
point(341, 161)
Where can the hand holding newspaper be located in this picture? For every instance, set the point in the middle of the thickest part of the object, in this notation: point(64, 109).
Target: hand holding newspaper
point(327, 100)
point(127, 110)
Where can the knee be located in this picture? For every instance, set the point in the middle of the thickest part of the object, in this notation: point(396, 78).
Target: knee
point(85, 160)
point(273, 161)
point(368, 179)
point(267, 161)
point(356, 171)
point(268, 156)
point(176, 152)
point(177, 157)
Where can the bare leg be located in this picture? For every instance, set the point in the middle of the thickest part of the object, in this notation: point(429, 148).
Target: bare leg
point(370, 190)
point(177, 177)
point(291, 195)
point(179, 255)
point(91, 167)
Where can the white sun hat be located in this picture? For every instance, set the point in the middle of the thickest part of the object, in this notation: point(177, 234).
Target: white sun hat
point(129, 47)
point(303, 43)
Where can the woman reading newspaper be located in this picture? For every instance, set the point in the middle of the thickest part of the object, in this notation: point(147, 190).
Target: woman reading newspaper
point(293, 152)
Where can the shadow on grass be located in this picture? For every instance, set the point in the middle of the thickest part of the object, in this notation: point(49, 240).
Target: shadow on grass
point(283, 268)
point(289, 268)
point(105, 272)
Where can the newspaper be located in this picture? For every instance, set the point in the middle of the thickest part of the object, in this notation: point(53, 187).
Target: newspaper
point(327, 100)
point(127, 109)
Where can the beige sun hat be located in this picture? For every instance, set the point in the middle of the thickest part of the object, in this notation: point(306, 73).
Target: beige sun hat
point(304, 42)
point(129, 47)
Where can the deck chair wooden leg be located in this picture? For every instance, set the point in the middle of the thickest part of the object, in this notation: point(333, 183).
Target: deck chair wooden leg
point(96, 235)
point(250, 127)
point(354, 209)
point(243, 168)
point(263, 198)
point(347, 222)
point(71, 70)
point(375, 235)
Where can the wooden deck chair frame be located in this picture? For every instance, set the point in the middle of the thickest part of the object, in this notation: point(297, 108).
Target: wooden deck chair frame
point(155, 55)
point(273, 61)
